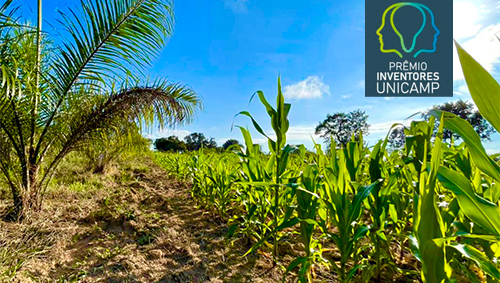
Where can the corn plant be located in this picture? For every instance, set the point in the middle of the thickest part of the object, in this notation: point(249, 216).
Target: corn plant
point(278, 159)
point(343, 199)
point(220, 191)
point(307, 208)
point(252, 192)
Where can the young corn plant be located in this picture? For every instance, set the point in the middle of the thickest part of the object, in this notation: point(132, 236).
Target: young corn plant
point(438, 200)
point(478, 205)
point(278, 159)
point(344, 213)
point(252, 192)
point(307, 208)
point(428, 222)
point(222, 178)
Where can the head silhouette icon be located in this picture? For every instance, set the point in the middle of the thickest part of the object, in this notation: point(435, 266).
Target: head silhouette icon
point(419, 42)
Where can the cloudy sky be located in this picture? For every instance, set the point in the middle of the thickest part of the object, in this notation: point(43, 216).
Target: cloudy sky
point(228, 49)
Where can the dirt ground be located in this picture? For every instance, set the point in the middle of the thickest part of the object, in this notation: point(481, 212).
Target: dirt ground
point(132, 224)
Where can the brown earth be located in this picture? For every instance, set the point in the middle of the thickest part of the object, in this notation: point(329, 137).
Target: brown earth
point(132, 224)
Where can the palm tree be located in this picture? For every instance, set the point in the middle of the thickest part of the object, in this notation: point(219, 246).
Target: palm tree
point(55, 97)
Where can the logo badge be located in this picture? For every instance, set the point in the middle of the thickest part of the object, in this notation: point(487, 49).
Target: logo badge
point(409, 48)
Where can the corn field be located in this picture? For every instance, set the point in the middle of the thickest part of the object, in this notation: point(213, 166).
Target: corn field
point(427, 212)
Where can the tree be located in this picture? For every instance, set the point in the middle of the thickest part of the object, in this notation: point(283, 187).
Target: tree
point(342, 126)
point(397, 138)
point(467, 111)
point(54, 98)
point(171, 143)
point(196, 141)
point(211, 143)
point(231, 142)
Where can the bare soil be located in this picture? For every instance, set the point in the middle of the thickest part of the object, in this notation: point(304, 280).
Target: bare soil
point(132, 224)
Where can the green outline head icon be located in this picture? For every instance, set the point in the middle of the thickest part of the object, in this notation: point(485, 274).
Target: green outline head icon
point(408, 49)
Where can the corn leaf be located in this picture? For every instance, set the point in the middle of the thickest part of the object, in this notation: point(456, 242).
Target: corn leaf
point(479, 210)
point(473, 142)
point(479, 257)
point(483, 88)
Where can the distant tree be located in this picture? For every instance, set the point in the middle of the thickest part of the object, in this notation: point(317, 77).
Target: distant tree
point(171, 143)
point(211, 143)
point(196, 141)
point(397, 137)
point(467, 111)
point(342, 126)
point(231, 142)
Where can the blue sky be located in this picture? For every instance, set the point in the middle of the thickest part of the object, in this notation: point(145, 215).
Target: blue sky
point(227, 49)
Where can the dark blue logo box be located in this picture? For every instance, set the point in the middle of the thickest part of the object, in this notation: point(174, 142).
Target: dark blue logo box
point(409, 48)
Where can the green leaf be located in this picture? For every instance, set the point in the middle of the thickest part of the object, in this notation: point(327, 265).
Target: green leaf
point(364, 192)
point(257, 245)
point(231, 230)
point(270, 110)
point(310, 221)
point(255, 124)
point(479, 257)
point(479, 210)
point(287, 224)
point(429, 223)
point(473, 141)
point(489, 238)
point(352, 272)
point(484, 89)
point(296, 262)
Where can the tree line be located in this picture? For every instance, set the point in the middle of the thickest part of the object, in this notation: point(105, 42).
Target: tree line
point(192, 142)
point(343, 127)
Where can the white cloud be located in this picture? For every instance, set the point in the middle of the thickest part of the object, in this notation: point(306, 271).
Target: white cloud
point(462, 90)
point(295, 135)
point(383, 128)
point(238, 6)
point(491, 151)
point(465, 17)
point(312, 87)
point(484, 47)
point(302, 133)
point(361, 84)
point(346, 96)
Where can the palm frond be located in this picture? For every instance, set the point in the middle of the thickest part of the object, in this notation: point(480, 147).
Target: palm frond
point(108, 38)
point(162, 103)
point(7, 12)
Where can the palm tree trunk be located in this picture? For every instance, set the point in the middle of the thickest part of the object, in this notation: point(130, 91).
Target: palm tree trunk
point(27, 198)
point(15, 212)
point(32, 199)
